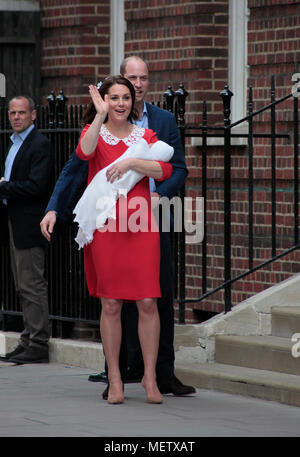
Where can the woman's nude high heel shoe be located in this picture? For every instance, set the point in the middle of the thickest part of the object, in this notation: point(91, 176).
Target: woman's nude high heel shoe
point(115, 397)
point(152, 392)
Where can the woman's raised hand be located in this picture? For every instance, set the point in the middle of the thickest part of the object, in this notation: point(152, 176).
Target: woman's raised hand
point(101, 105)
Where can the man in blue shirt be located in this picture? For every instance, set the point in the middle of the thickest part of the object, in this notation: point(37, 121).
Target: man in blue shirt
point(24, 191)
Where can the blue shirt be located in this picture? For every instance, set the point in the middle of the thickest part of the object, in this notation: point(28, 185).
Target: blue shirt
point(17, 140)
point(144, 123)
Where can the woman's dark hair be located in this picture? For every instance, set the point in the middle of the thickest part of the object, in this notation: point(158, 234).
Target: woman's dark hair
point(90, 112)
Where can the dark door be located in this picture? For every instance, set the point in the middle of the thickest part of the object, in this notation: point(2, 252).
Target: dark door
point(20, 52)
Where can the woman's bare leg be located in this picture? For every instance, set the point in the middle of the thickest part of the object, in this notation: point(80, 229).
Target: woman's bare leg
point(111, 334)
point(149, 331)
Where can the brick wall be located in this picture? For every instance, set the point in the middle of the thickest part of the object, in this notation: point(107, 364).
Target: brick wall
point(239, 226)
point(183, 41)
point(273, 36)
point(187, 41)
point(75, 46)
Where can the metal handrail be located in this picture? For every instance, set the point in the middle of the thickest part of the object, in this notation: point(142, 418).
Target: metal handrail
point(227, 135)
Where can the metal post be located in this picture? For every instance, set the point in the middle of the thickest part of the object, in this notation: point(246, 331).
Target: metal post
point(169, 96)
point(204, 194)
point(296, 158)
point(273, 165)
point(181, 95)
point(51, 103)
point(226, 95)
point(61, 101)
point(250, 180)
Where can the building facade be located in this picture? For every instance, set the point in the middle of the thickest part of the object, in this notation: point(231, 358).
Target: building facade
point(52, 45)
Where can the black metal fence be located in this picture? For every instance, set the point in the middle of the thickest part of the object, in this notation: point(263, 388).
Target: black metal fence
point(68, 296)
point(69, 300)
point(205, 131)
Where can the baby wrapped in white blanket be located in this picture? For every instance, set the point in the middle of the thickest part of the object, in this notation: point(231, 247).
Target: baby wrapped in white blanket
point(98, 202)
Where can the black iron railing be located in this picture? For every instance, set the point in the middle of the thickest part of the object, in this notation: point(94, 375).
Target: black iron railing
point(69, 300)
point(68, 296)
point(226, 133)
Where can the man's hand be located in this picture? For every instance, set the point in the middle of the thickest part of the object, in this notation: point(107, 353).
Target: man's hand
point(47, 224)
point(2, 179)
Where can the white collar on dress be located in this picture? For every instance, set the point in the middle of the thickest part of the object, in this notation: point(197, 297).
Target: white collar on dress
point(136, 134)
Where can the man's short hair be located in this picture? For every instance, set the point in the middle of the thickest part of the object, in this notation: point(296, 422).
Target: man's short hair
point(127, 59)
point(29, 99)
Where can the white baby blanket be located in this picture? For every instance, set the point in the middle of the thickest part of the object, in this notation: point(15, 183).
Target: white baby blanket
point(98, 202)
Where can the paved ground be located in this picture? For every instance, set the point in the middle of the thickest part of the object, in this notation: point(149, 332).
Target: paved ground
point(51, 400)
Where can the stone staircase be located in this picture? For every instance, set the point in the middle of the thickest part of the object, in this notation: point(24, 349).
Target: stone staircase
point(262, 366)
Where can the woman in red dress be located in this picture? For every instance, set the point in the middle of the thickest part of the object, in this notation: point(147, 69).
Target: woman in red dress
point(122, 264)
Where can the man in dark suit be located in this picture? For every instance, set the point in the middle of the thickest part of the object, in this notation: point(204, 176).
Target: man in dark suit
point(164, 124)
point(24, 192)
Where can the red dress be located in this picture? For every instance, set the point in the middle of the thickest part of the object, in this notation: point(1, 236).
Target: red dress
point(124, 263)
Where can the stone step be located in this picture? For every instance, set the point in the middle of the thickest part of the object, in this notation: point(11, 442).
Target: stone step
point(261, 352)
point(79, 353)
point(264, 384)
point(285, 321)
